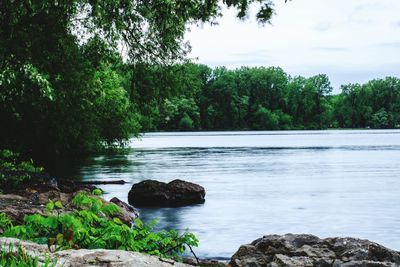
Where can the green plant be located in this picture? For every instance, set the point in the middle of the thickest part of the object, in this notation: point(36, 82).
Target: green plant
point(95, 224)
point(14, 171)
point(5, 222)
point(10, 257)
point(97, 192)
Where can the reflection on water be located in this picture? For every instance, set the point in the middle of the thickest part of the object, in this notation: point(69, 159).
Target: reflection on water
point(328, 183)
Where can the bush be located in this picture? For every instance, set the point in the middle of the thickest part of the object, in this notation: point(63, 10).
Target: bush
point(264, 119)
point(380, 119)
point(92, 225)
point(13, 171)
point(186, 123)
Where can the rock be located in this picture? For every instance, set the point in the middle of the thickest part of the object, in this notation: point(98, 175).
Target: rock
point(17, 207)
point(129, 213)
point(186, 193)
point(177, 193)
point(44, 197)
point(92, 258)
point(309, 251)
point(204, 262)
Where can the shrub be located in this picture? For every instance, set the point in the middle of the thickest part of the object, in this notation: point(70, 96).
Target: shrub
point(14, 171)
point(186, 123)
point(264, 119)
point(93, 224)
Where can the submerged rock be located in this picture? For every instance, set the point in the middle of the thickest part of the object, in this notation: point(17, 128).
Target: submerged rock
point(309, 251)
point(174, 194)
point(87, 257)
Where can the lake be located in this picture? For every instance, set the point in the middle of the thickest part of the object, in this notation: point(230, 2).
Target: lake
point(326, 183)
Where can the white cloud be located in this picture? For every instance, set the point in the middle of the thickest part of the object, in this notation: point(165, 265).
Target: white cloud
point(352, 41)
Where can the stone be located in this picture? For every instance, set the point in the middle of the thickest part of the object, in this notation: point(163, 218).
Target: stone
point(177, 193)
point(92, 258)
point(311, 251)
point(204, 262)
point(17, 207)
point(128, 213)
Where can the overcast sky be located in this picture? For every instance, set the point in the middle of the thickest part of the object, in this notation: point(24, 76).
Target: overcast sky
point(350, 40)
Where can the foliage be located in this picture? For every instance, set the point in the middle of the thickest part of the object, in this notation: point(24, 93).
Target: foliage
point(97, 192)
point(264, 119)
point(66, 89)
point(5, 222)
point(260, 99)
point(115, 115)
point(14, 171)
point(186, 123)
point(93, 224)
point(380, 119)
point(11, 257)
point(181, 113)
point(61, 88)
point(373, 104)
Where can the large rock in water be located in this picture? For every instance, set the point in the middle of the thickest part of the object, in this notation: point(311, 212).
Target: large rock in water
point(309, 251)
point(177, 193)
point(89, 257)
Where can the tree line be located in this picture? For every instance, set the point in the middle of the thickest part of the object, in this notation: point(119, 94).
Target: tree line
point(117, 100)
point(196, 97)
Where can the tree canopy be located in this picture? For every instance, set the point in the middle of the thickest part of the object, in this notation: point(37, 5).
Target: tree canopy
point(150, 30)
point(63, 82)
point(66, 87)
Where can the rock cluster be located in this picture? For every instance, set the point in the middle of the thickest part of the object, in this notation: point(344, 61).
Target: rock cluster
point(309, 251)
point(150, 193)
point(32, 197)
point(92, 258)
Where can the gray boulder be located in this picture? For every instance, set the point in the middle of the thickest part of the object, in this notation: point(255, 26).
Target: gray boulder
point(150, 193)
point(87, 257)
point(309, 251)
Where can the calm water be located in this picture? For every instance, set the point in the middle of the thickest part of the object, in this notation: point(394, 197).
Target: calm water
point(327, 183)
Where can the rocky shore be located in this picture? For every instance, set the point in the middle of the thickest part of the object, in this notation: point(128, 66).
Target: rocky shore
point(31, 198)
point(311, 251)
point(90, 257)
point(268, 251)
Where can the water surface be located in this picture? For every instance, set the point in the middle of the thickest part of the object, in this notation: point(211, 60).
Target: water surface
point(327, 183)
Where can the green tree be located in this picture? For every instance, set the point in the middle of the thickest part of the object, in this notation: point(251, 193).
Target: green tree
point(380, 119)
point(264, 119)
point(116, 118)
point(54, 48)
point(180, 113)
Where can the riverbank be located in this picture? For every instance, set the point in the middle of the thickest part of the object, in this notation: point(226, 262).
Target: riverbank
point(271, 251)
point(65, 215)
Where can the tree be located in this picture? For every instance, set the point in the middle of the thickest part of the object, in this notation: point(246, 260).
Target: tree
point(64, 43)
point(149, 30)
point(116, 119)
point(323, 88)
point(264, 119)
point(180, 113)
point(380, 119)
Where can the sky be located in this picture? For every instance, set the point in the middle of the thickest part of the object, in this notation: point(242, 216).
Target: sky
point(352, 41)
